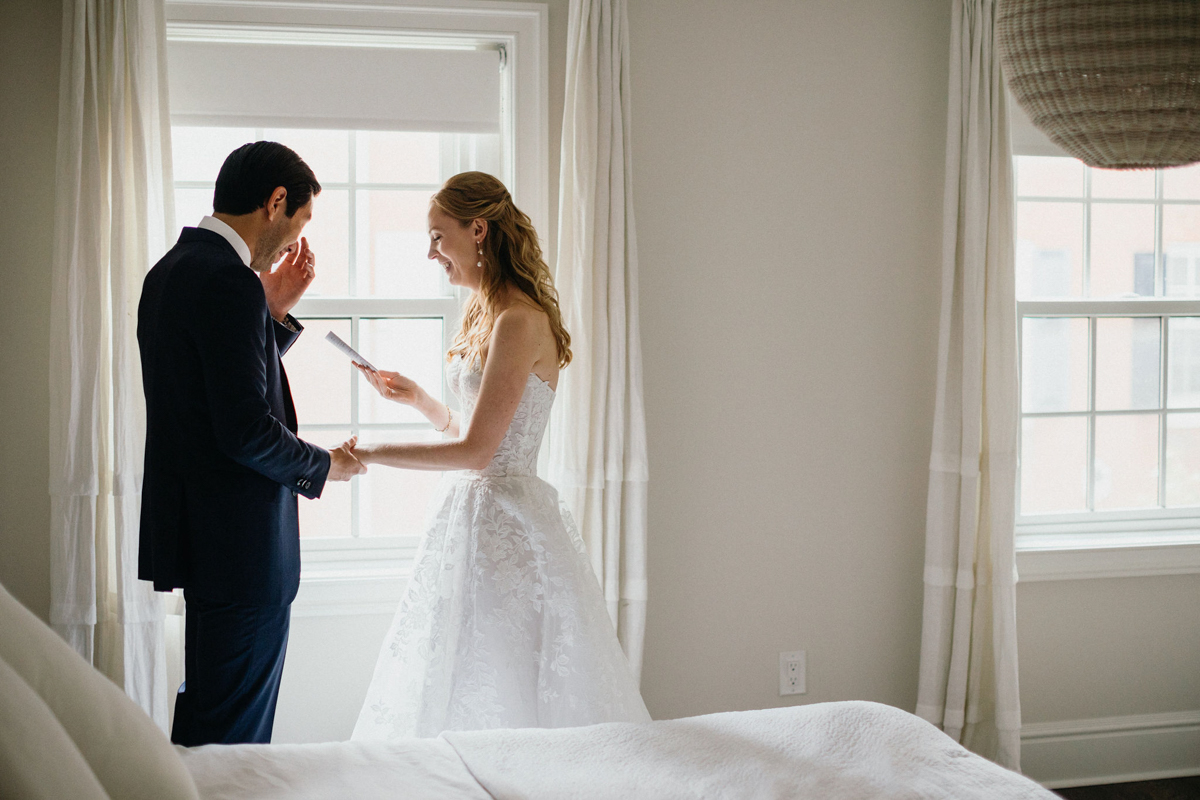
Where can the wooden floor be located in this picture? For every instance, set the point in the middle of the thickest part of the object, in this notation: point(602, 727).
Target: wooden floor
point(1173, 789)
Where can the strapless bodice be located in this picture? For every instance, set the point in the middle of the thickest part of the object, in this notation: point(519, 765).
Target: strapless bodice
point(517, 454)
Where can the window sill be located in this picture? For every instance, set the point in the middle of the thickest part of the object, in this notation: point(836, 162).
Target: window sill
point(353, 578)
point(348, 596)
point(1107, 554)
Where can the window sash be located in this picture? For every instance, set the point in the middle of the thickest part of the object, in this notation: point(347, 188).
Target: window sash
point(340, 551)
point(518, 31)
point(1159, 520)
point(357, 309)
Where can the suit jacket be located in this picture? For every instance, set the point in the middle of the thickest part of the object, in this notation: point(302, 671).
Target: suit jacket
point(223, 464)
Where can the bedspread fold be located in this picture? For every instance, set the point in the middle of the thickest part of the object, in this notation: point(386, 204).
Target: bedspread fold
point(836, 751)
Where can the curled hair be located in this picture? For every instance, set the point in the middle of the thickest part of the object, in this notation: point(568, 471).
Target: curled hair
point(511, 254)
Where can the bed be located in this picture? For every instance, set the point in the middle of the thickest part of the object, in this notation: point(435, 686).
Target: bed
point(66, 731)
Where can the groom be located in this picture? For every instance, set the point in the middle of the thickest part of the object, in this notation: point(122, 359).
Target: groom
point(223, 464)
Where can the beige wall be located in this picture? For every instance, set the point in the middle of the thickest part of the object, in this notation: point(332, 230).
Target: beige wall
point(29, 37)
point(1106, 648)
point(788, 184)
point(788, 168)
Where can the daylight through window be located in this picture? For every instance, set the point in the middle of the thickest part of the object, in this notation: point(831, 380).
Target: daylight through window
point(1108, 285)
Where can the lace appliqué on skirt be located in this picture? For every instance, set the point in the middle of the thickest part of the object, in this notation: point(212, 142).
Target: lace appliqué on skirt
point(503, 623)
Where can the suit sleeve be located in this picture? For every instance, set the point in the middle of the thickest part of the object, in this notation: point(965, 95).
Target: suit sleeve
point(286, 333)
point(229, 327)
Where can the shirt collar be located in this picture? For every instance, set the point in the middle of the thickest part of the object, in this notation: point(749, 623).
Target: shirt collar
point(233, 237)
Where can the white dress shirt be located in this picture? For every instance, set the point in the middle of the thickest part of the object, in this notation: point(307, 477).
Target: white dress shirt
point(233, 237)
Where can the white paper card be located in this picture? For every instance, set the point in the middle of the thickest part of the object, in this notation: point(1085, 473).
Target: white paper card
point(353, 354)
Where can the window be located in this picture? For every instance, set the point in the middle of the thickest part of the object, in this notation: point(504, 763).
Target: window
point(385, 104)
point(1108, 285)
point(375, 289)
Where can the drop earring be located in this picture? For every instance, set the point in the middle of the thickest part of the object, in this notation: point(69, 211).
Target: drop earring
point(479, 245)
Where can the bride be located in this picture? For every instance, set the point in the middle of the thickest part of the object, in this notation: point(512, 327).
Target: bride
point(503, 624)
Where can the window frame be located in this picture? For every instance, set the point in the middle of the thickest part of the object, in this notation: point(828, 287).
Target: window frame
point(1117, 543)
point(365, 575)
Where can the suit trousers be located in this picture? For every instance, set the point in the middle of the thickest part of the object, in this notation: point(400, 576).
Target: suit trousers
point(233, 661)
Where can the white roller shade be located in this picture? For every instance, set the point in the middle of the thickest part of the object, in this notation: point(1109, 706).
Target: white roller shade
point(323, 86)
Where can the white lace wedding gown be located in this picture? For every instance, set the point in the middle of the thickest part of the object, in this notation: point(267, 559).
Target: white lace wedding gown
point(503, 624)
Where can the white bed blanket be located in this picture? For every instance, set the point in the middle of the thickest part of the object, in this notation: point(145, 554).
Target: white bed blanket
point(417, 769)
point(833, 751)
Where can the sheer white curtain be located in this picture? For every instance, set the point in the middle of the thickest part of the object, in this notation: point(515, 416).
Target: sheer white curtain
point(598, 444)
point(968, 679)
point(113, 218)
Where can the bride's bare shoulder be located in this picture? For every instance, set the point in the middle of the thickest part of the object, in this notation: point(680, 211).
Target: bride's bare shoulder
point(523, 323)
point(520, 309)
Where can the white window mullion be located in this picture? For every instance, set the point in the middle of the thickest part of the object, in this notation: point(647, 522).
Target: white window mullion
point(352, 288)
point(376, 307)
point(355, 488)
point(352, 215)
point(1087, 233)
point(1090, 489)
point(1160, 272)
point(1164, 343)
point(1139, 307)
point(1020, 402)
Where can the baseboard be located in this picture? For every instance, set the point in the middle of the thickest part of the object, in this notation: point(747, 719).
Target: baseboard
point(1090, 752)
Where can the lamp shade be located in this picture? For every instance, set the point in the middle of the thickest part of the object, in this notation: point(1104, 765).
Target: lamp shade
point(1115, 83)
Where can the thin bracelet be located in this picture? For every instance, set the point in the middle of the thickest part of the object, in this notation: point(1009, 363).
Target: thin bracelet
point(449, 416)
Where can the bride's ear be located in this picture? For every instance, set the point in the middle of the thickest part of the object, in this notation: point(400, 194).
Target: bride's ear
point(479, 229)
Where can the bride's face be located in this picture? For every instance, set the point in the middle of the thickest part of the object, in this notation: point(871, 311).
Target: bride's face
point(455, 246)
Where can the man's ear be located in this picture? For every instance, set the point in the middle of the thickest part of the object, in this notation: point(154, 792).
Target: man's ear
point(277, 203)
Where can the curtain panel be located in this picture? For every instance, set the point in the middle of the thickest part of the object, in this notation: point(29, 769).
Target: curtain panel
point(968, 672)
point(597, 452)
point(113, 219)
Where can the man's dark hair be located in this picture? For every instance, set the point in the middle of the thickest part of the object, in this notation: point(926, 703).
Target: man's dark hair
point(252, 172)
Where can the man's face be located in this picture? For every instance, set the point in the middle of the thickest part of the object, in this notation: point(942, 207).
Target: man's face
point(280, 237)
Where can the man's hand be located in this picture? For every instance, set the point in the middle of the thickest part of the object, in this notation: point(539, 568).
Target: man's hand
point(285, 284)
point(342, 464)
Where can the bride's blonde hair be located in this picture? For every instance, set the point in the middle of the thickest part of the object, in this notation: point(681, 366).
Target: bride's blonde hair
point(511, 254)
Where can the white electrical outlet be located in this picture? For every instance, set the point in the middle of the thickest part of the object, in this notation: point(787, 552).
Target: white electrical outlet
point(792, 667)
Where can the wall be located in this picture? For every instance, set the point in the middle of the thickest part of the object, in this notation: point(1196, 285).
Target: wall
point(30, 31)
point(788, 168)
point(1108, 672)
point(788, 184)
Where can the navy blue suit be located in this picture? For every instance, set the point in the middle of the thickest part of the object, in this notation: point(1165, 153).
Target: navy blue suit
point(223, 468)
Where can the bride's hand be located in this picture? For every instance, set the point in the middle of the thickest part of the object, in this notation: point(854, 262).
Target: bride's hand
point(392, 385)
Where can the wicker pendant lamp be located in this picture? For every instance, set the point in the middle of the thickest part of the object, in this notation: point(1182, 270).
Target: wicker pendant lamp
point(1115, 83)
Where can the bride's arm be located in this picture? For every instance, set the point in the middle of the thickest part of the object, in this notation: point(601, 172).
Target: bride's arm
point(512, 353)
